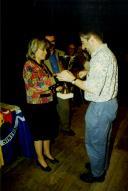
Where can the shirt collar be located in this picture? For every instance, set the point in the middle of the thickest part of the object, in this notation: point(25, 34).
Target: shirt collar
point(98, 49)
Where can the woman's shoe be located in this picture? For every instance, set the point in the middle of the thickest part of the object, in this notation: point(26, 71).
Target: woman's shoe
point(53, 161)
point(46, 169)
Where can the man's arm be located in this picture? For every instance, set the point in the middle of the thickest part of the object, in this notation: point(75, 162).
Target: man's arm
point(67, 76)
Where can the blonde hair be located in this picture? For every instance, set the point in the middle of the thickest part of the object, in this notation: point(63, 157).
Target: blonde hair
point(33, 46)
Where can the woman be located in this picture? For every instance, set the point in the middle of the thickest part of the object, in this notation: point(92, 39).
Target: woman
point(42, 113)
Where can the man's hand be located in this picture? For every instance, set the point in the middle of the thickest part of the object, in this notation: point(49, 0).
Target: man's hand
point(82, 74)
point(66, 76)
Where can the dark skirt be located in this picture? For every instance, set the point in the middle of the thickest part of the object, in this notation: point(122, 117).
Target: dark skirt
point(43, 121)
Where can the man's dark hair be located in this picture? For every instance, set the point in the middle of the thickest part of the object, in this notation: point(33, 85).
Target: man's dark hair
point(98, 34)
point(49, 33)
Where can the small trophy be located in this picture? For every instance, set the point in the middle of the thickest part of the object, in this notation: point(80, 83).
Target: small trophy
point(65, 93)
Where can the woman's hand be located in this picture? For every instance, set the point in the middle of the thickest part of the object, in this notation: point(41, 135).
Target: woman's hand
point(59, 88)
point(66, 76)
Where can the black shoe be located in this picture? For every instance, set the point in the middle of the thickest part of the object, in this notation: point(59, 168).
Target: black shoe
point(46, 169)
point(53, 161)
point(88, 166)
point(68, 133)
point(88, 177)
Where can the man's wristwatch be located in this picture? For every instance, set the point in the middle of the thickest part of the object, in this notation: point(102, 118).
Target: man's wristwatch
point(73, 82)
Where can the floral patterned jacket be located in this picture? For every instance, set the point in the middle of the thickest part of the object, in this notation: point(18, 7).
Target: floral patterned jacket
point(37, 82)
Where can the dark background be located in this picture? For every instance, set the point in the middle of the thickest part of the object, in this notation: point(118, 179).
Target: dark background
point(23, 20)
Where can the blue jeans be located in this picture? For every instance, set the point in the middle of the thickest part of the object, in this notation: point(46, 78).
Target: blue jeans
point(98, 121)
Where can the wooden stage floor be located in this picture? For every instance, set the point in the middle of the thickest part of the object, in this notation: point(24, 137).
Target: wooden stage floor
point(23, 175)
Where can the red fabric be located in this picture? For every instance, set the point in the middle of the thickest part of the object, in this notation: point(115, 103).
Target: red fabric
point(7, 116)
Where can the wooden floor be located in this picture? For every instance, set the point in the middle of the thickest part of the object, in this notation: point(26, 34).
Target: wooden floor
point(23, 175)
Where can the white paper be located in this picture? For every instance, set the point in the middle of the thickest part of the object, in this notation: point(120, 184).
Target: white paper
point(65, 96)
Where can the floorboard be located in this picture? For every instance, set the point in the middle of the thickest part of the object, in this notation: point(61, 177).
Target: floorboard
point(23, 175)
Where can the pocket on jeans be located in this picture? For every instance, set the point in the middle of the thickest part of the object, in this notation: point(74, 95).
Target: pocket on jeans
point(97, 109)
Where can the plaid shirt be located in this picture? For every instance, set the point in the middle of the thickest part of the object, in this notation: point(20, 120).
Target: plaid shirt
point(102, 79)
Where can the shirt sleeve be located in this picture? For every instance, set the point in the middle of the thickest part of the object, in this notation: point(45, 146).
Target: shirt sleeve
point(97, 75)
